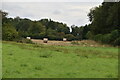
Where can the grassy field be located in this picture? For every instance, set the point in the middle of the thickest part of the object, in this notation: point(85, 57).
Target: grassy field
point(0, 59)
point(47, 61)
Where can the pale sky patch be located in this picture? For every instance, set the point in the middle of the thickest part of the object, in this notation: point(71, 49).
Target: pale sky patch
point(66, 12)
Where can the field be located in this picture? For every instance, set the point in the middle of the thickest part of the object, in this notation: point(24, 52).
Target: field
point(22, 60)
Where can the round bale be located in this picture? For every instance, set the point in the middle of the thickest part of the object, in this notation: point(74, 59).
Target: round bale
point(45, 40)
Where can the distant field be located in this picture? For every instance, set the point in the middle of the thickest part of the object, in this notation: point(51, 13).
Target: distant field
point(56, 61)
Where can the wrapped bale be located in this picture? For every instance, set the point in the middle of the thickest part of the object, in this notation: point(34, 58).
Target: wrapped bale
point(64, 39)
point(45, 40)
point(28, 37)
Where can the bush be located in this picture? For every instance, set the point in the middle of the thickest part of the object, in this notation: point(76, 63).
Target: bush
point(26, 41)
point(23, 40)
point(106, 38)
point(114, 35)
point(111, 38)
point(9, 33)
point(52, 37)
point(98, 37)
point(70, 37)
point(117, 42)
point(23, 34)
point(89, 35)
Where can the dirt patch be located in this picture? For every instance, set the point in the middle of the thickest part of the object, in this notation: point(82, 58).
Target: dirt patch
point(71, 43)
point(51, 42)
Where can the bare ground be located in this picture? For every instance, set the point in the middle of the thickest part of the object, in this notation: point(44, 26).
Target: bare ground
point(71, 43)
point(51, 42)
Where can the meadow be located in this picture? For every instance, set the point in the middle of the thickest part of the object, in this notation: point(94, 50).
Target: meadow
point(22, 60)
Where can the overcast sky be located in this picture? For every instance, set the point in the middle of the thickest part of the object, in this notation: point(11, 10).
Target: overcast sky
point(68, 12)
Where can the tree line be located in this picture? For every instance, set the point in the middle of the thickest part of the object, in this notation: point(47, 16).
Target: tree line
point(105, 23)
point(104, 27)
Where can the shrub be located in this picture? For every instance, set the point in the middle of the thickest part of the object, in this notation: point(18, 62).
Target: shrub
point(23, 40)
point(106, 38)
point(98, 37)
point(117, 42)
point(70, 37)
point(114, 35)
point(26, 41)
point(52, 37)
point(89, 35)
point(23, 33)
point(9, 33)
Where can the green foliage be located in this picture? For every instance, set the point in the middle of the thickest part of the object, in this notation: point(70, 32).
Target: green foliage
point(23, 40)
point(60, 35)
point(9, 33)
point(36, 29)
point(114, 35)
point(102, 18)
point(89, 35)
point(117, 41)
point(23, 34)
point(26, 41)
point(111, 38)
point(98, 37)
point(24, 25)
point(106, 38)
point(70, 37)
point(51, 34)
point(3, 16)
point(105, 23)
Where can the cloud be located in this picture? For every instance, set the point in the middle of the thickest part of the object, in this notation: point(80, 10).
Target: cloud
point(66, 12)
point(53, 1)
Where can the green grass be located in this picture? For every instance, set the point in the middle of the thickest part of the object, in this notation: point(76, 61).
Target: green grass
point(0, 59)
point(45, 61)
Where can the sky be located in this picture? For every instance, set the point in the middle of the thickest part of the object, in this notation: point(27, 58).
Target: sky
point(69, 12)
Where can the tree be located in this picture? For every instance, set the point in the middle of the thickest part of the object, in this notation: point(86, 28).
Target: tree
point(3, 17)
point(9, 33)
point(103, 17)
point(89, 35)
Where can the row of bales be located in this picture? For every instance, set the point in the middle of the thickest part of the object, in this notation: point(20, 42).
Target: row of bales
point(45, 40)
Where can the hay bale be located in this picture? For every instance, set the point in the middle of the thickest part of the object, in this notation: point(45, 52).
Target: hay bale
point(64, 39)
point(28, 37)
point(45, 40)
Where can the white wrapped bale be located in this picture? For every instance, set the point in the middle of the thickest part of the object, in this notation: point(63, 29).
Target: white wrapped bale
point(64, 39)
point(28, 37)
point(45, 40)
